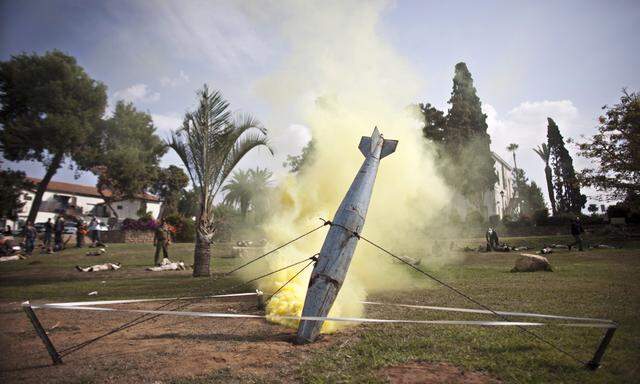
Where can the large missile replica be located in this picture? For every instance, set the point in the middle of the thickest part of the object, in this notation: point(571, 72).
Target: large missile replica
point(336, 253)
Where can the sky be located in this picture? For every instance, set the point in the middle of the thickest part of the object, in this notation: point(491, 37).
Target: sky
point(529, 59)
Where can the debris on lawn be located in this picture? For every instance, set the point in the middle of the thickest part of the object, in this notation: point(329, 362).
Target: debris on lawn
point(603, 246)
point(100, 267)
point(563, 246)
point(546, 251)
point(168, 265)
point(92, 293)
point(409, 260)
point(531, 263)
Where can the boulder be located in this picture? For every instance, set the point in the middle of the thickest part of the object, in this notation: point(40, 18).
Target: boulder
point(531, 263)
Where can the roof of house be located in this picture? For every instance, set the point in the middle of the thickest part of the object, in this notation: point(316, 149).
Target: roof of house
point(501, 160)
point(85, 190)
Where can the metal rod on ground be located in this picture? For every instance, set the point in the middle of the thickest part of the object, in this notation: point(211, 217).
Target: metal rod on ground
point(594, 363)
point(55, 357)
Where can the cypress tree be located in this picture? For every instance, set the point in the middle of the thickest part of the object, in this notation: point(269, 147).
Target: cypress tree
point(466, 138)
point(566, 184)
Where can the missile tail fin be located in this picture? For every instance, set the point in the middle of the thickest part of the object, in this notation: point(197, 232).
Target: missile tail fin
point(365, 145)
point(388, 147)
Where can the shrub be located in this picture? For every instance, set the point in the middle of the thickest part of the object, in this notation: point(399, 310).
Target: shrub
point(541, 216)
point(185, 228)
point(494, 220)
point(475, 218)
point(142, 224)
point(617, 210)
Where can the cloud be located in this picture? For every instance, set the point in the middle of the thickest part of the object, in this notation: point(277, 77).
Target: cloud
point(136, 92)
point(166, 123)
point(181, 79)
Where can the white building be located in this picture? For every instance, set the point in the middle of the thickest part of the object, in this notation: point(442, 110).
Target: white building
point(501, 200)
point(82, 201)
point(498, 201)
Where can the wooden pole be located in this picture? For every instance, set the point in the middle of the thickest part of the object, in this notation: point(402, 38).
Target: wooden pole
point(594, 363)
point(55, 357)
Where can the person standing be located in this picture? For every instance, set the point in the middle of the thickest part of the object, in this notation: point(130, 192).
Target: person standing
point(576, 232)
point(161, 240)
point(48, 231)
point(80, 232)
point(492, 239)
point(30, 235)
point(7, 231)
point(93, 231)
point(58, 230)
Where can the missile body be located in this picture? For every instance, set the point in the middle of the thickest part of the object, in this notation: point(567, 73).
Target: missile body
point(336, 253)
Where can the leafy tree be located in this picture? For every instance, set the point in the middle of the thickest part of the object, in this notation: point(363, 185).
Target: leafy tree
point(615, 151)
point(188, 203)
point(49, 110)
point(567, 186)
point(467, 141)
point(513, 147)
point(169, 184)
point(126, 153)
point(12, 183)
point(545, 154)
point(529, 195)
point(296, 163)
point(593, 208)
point(210, 143)
point(434, 123)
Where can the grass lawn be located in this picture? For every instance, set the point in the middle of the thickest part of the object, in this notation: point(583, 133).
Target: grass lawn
point(596, 283)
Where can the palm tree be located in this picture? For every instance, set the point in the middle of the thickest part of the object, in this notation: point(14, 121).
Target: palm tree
point(246, 189)
point(210, 143)
point(545, 153)
point(239, 191)
point(513, 147)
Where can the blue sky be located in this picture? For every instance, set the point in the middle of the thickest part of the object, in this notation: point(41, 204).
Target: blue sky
point(529, 59)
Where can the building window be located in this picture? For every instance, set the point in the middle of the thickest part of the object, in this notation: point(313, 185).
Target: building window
point(119, 207)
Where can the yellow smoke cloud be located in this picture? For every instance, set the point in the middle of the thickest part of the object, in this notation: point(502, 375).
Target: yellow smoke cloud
point(343, 78)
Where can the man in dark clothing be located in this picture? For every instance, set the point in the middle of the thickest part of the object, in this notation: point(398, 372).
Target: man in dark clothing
point(161, 241)
point(58, 229)
point(492, 239)
point(30, 235)
point(576, 231)
point(48, 230)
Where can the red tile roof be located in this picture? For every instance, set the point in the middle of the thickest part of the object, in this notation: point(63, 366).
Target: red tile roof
point(85, 190)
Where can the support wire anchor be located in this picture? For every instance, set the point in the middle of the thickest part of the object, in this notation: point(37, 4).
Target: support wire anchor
point(55, 356)
point(594, 363)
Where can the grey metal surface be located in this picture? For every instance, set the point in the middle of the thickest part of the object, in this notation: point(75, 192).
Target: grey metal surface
point(336, 253)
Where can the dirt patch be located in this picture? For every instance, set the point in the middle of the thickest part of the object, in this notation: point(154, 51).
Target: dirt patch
point(160, 350)
point(433, 373)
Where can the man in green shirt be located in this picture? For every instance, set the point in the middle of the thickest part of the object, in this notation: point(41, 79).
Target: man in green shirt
point(161, 240)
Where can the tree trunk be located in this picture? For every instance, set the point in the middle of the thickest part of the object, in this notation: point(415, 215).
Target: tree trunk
point(201, 256)
point(515, 166)
point(552, 198)
point(42, 187)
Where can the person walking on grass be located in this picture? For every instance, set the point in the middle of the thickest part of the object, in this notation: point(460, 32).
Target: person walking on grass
point(81, 230)
point(161, 240)
point(576, 232)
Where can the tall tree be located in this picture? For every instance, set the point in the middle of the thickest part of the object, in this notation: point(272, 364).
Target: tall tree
point(12, 183)
point(529, 195)
point(467, 141)
point(567, 186)
point(615, 150)
point(513, 147)
point(545, 154)
point(188, 203)
point(168, 184)
point(49, 111)
point(434, 123)
point(126, 153)
point(298, 162)
point(210, 143)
